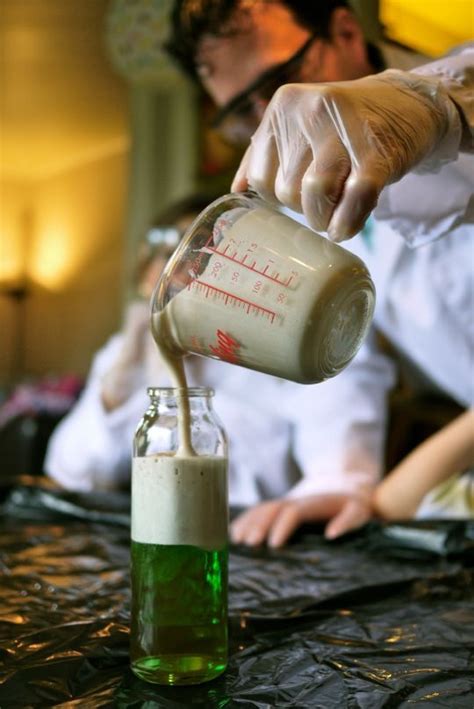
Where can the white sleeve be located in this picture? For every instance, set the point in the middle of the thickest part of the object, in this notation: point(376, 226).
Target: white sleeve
point(91, 448)
point(436, 197)
point(454, 74)
point(340, 428)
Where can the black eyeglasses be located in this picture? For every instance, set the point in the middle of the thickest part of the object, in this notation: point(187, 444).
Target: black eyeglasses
point(237, 121)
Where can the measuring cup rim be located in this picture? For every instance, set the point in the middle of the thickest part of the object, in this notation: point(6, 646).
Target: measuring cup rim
point(157, 300)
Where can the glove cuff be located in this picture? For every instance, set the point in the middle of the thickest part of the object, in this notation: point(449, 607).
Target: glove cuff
point(433, 92)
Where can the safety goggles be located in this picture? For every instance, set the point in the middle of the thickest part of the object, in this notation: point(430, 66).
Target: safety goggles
point(238, 119)
point(165, 237)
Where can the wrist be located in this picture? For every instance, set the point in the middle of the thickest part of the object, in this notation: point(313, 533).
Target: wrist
point(431, 94)
point(117, 386)
point(109, 401)
point(128, 357)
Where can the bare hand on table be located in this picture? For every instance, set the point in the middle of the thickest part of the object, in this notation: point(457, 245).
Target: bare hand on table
point(275, 521)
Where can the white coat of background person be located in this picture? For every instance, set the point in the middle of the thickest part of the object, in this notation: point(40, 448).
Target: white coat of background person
point(328, 150)
point(271, 436)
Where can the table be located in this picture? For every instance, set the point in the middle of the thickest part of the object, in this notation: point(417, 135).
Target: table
point(382, 618)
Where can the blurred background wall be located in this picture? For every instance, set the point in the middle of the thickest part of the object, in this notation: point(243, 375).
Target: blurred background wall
point(64, 147)
point(97, 135)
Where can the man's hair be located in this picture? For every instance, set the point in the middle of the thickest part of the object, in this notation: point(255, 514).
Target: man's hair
point(192, 19)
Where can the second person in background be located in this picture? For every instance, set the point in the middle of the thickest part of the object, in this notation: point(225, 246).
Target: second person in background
point(269, 421)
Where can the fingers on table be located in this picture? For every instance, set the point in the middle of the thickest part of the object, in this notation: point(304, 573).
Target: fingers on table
point(252, 526)
point(284, 524)
point(353, 514)
point(275, 521)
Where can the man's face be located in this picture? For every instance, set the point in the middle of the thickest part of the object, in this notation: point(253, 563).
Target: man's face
point(266, 48)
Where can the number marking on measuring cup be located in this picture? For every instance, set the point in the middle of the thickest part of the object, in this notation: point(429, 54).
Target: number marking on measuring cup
point(232, 299)
point(235, 258)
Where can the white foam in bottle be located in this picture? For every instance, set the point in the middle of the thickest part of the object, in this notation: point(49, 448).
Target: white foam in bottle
point(180, 500)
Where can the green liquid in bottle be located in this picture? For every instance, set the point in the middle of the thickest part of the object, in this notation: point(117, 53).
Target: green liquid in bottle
point(179, 613)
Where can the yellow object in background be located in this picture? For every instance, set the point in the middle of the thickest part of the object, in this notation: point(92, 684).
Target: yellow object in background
point(431, 27)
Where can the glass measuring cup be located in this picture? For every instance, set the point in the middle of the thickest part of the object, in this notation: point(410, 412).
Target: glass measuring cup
point(251, 286)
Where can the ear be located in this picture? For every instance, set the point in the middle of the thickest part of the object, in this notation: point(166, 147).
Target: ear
point(344, 27)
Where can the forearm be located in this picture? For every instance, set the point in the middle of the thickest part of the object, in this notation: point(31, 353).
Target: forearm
point(119, 383)
point(449, 451)
point(120, 380)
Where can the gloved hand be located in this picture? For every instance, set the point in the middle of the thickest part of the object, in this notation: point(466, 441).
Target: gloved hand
point(328, 150)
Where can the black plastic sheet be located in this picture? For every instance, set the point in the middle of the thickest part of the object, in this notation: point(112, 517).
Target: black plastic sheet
point(383, 618)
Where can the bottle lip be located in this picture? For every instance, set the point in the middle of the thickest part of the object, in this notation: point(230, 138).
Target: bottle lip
point(170, 392)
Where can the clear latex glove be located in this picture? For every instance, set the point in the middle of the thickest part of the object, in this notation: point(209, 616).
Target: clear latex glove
point(328, 150)
point(275, 521)
point(120, 382)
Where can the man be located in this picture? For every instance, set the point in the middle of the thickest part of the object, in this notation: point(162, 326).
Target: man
point(328, 151)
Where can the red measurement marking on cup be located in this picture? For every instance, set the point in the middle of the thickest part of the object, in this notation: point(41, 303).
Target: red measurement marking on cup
point(250, 266)
point(231, 299)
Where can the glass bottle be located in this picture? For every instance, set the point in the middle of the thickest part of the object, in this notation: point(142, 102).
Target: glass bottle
point(179, 547)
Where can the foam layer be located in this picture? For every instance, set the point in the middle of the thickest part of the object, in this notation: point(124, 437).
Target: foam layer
point(180, 500)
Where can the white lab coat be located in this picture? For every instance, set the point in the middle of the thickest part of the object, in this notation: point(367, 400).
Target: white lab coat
point(270, 424)
point(425, 204)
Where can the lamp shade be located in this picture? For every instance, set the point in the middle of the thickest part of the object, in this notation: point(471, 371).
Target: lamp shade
point(135, 32)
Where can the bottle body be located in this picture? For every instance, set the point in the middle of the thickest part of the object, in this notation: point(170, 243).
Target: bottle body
point(251, 286)
point(179, 548)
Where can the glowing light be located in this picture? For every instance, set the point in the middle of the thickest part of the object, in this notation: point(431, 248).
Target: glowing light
point(12, 258)
point(10, 267)
point(51, 262)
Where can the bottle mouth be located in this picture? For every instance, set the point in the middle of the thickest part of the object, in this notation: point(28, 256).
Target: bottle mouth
point(172, 392)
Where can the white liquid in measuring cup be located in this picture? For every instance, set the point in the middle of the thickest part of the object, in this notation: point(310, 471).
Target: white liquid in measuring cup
point(272, 296)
